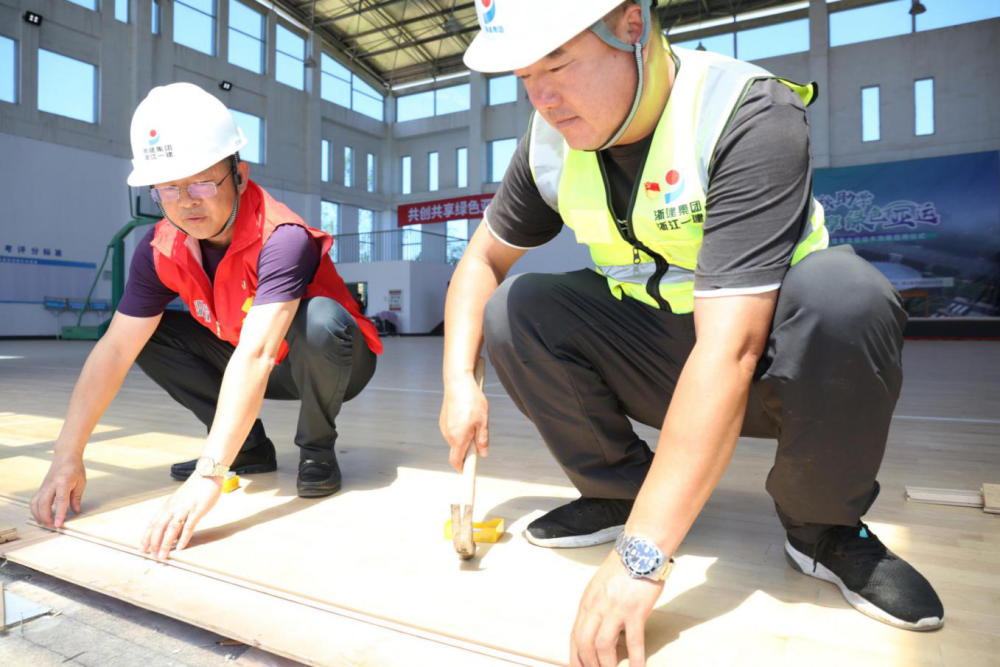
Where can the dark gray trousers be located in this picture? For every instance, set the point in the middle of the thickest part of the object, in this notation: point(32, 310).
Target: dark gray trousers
point(328, 363)
point(578, 363)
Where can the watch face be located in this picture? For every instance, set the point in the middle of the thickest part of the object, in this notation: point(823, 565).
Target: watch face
point(643, 557)
point(205, 466)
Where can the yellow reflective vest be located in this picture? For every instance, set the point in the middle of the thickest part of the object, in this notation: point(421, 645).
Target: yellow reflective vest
point(651, 256)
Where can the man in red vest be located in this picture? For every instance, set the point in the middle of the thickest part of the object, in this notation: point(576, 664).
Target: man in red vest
point(268, 317)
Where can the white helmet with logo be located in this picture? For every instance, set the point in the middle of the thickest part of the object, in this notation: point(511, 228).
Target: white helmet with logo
point(180, 130)
point(516, 33)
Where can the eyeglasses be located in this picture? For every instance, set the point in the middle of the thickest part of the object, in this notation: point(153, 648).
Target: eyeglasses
point(205, 190)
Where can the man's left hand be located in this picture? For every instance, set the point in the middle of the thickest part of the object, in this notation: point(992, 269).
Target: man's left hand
point(178, 518)
point(613, 602)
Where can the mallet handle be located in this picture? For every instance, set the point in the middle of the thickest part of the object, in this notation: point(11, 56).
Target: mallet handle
point(469, 466)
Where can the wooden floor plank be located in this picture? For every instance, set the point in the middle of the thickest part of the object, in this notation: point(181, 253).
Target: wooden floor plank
point(376, 548)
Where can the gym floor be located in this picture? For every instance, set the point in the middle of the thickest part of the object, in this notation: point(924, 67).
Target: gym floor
point(374, 554)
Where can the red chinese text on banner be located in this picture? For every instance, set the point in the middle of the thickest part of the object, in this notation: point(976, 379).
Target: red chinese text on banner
point(443, 210)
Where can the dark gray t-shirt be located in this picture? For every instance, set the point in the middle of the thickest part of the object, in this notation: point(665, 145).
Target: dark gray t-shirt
point(758, 195)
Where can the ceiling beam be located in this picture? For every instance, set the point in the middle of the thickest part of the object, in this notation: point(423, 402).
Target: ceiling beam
point(357, 12)
point(419, 42)
point(414, 19)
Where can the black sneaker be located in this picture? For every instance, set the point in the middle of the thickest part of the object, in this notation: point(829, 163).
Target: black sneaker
point(251, 462)
point(318, 478)
point(581, 523)
point(875, 581)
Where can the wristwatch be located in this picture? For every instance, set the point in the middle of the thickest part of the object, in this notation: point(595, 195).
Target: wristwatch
point(642, 558)
point(207, 467)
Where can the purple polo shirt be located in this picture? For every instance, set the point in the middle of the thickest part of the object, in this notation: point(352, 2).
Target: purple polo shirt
point(286, 266)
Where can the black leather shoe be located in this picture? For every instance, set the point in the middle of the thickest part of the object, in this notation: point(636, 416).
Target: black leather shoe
point(251, 462)
point(318, 478)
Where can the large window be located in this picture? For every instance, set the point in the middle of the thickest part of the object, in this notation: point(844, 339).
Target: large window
point(324, 160)
point(722, 44)
point(433, 102)
point(246, 37)
point(944, 13)
point(329, 222)
point(433, 171)
point(154, 17)
point(501, 151)
point(458, 239)
point(253, 129)
point(366, 100)
point(923, 106)
point(366, 239)
point(870, 121)
point(502, 90)
point(370, 179)
point(406, 169)
point(348, 166)
point(67, 87)
point(890, 19)
point(462, 167)
point(341, 86)
point(88, 4)
point(8, 70)
point(194, 24)
point(121, 10)
point(289, 58)
point(773, 40)
point(412, 238)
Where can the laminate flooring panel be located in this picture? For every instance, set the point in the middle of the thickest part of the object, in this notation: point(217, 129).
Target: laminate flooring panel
point(377, 547)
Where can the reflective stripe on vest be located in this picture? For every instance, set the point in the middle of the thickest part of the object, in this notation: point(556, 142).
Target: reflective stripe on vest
point(652, 255)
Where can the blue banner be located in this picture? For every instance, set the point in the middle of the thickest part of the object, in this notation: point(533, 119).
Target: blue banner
point(931, 226)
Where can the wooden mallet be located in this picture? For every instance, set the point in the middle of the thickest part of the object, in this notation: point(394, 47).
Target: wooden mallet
point(461, 512)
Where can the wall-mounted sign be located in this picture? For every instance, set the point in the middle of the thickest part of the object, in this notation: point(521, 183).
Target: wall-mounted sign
point(931, 226)
point(443, 210)
point(395, 299)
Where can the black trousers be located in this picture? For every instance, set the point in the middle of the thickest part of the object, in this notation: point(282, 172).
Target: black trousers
point(578, 362)
point(328, 363)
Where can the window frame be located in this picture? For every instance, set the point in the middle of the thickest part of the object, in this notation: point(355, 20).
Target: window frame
point(262, 40)
point(214, 31)
point(94, 93)
point(878, 114)
point(278, 52)
point(916, 109)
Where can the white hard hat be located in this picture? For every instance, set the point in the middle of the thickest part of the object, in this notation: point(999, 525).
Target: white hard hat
point(180, 130)
point(516, 33)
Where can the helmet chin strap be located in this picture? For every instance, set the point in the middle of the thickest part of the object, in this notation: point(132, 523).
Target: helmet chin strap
point(603, 32)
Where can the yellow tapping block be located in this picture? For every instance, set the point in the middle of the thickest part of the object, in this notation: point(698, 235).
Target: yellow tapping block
point(491, 531)
point(231, 483)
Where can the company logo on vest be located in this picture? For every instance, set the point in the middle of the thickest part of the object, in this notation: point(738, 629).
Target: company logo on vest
point(675, 186)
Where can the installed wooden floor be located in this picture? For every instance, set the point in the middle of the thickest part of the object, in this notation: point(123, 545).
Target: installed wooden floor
point(366, 578)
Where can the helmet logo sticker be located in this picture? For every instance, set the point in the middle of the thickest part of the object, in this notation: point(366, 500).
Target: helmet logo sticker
point(490, 10)
point(652, 190)
point(487, 13)
point(675, 186)
point(153, 137)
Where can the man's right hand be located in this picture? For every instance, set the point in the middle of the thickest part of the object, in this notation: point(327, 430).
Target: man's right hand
point(63, 485)
point(465, 418)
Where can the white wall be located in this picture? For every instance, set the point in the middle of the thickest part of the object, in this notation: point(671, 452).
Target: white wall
point(423, 287)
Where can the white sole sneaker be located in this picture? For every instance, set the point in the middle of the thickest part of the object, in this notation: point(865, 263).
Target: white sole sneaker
point(600, 537)
point(804, 564)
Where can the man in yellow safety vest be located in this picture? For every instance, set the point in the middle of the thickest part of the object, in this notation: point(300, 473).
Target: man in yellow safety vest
point(714, 309)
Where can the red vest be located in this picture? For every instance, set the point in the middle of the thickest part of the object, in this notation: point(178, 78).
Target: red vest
point(177, 258)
